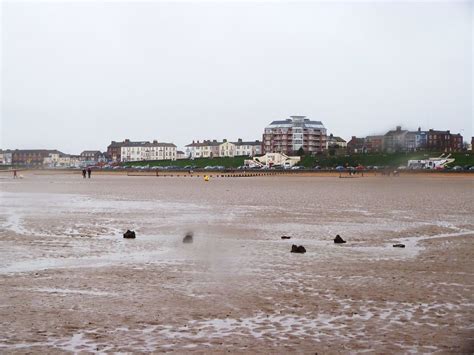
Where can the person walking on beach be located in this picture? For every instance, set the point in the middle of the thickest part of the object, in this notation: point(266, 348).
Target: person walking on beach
point(84, 173)
point(89, 172)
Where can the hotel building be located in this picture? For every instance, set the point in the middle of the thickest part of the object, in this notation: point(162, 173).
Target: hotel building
point(288, 136)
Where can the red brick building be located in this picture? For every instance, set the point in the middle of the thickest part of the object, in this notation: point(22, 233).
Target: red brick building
point(114, 150)
point(31, 157)
point(374, 144)
point(444, 141)
point(356, 145)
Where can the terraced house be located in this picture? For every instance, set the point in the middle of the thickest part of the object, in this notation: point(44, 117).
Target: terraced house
point(204, 149)
point(249, 148)
point(288, 136)
point(444, 141)
point(30, 157)
point(139, 151)
point(240, 148)
point(5, 157)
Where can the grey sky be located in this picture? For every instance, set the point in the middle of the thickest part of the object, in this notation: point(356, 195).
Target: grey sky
point(77, 75)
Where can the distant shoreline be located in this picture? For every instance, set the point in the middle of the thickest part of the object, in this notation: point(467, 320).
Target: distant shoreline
point(248, 173)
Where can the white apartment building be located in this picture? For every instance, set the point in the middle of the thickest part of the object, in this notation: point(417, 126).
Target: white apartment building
point(250, 149)
point(209, 149)
point(139, 151)
point(61, 160)
point(204, 149)
point(5, 157)
point(227, 149)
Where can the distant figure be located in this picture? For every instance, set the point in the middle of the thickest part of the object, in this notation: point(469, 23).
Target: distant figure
point(14, 174)
point(89, 172)
point(84, 172)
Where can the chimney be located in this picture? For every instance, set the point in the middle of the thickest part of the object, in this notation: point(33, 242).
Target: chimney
point(155, 141)
point(399, 128)
point(127, 140)
point(224, 140)
point(240, 140)
point(354, 137)
point(419, 129)
point(214, 141)
point(193, 141)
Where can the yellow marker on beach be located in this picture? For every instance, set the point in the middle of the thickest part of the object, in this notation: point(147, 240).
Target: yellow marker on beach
point(206, 178)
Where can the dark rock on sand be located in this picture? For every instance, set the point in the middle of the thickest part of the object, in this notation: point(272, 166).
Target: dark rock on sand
point(129, 234)
point(285, 237)
point(298, 249)
point(339, 240)
point(188, 238)
point(399, 245)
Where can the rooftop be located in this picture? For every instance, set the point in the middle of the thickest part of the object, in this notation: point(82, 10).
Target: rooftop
point(147, 144)
point(290, 122)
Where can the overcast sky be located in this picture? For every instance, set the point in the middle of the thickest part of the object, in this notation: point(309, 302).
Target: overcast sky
point(77, 75)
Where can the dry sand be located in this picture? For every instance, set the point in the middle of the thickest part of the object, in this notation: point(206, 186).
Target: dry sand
point(69, 282)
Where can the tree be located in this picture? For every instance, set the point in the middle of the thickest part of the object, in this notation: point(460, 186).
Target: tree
point(300, 152)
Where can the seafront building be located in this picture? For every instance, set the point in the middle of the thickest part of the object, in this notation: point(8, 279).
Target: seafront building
point(240, 148)
point(401, 140)
point(227, 149)
point(213, 148)
point(31, 157)
point(93, 156)
point(139, 151)
point(356, 145)
point(5, 157)
point(114, 150)
point(248, 148)
point(205, 149)
point(444, 141)
point(61, 160)
point(395, 140)
point(335, 142)
point(290, 135)
point(373, 144)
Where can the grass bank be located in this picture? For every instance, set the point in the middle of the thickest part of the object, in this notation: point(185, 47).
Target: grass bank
point(198, 163)
point(395, 159)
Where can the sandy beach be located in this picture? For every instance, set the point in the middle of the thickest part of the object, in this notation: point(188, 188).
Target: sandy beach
point(69, 281)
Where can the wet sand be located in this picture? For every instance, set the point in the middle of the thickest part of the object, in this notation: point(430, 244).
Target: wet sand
point(70, 282)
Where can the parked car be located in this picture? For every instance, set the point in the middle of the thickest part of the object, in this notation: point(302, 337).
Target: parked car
point(340, 168)
point(458, 168)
